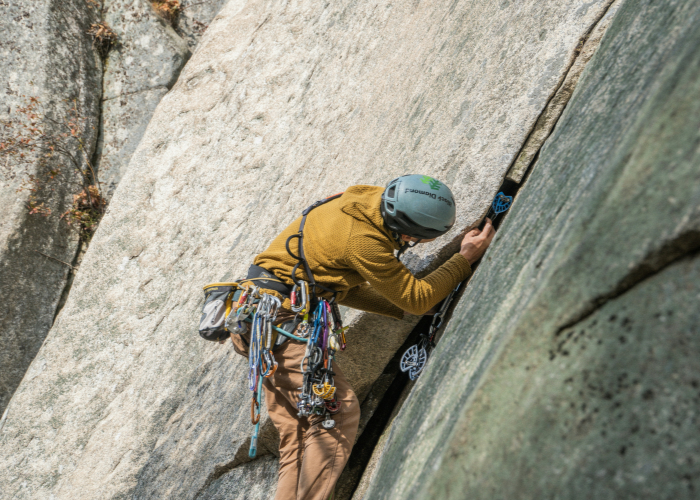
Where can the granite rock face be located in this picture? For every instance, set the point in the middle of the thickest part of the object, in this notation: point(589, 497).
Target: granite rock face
point(49, 42)
point(280, 105)
point(555, 107)
point(570, 368)
point(46, 54)
point(139, 71)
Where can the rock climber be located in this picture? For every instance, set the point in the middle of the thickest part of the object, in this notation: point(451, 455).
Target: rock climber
point(350, 245)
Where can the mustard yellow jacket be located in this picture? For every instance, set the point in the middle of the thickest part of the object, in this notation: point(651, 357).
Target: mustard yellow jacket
point(349, 249)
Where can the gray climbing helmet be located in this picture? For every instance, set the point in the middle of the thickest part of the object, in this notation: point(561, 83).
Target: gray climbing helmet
point(418, 206)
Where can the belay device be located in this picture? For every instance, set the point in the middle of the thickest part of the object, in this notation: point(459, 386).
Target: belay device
point(414, 359)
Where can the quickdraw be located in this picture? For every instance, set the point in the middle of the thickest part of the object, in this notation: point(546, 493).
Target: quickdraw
point(322, 331)
point(318, 389)
point(261, 361)
point(414, 359)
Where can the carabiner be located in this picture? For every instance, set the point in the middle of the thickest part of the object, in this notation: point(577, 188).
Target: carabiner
point(269, 363)
point(254, 418)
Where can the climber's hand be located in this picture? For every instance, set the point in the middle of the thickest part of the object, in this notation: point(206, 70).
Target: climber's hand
point(476, 242)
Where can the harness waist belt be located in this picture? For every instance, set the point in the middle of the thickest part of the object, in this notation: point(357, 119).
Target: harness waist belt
point(273, 283)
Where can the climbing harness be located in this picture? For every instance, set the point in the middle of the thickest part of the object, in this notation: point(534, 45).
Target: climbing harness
point(241, 307)
point(414, 359)
point(301, 256)
point(323, 330)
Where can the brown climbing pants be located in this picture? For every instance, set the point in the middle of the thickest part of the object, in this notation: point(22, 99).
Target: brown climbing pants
point(311, 457)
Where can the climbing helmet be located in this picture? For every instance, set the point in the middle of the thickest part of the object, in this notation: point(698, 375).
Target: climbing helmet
point(418, 206)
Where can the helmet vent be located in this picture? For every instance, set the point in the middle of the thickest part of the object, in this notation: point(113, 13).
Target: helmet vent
point(390, 206)
point(390, 193)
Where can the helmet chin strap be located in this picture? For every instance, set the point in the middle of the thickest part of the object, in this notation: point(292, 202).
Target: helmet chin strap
point(405, 245)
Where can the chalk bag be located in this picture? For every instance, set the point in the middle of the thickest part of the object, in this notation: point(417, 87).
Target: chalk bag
point(218, 299)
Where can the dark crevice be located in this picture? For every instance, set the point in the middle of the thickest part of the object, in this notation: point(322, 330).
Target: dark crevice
point(99, 142)
point(577, 54)
point(365, 445)
point(94, 160)
point(687, 244)
point(75, 265)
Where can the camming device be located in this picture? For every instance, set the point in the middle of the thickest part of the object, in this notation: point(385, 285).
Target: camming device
point(414, 359)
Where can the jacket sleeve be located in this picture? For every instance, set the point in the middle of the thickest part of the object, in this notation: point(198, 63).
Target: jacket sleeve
point(366, 298)
point(371, 255)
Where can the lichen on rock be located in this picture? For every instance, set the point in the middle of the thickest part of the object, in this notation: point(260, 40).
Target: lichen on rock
point(45, 55)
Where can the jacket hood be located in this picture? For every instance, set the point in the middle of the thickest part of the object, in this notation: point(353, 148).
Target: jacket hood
point(363, 203)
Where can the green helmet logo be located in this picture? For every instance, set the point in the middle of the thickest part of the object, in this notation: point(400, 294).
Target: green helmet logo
point(433, 183)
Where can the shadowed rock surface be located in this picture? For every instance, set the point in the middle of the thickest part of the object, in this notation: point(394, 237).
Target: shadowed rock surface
point(45, 53)
point(196, 15)
point(570, 368)
point(280, 105)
